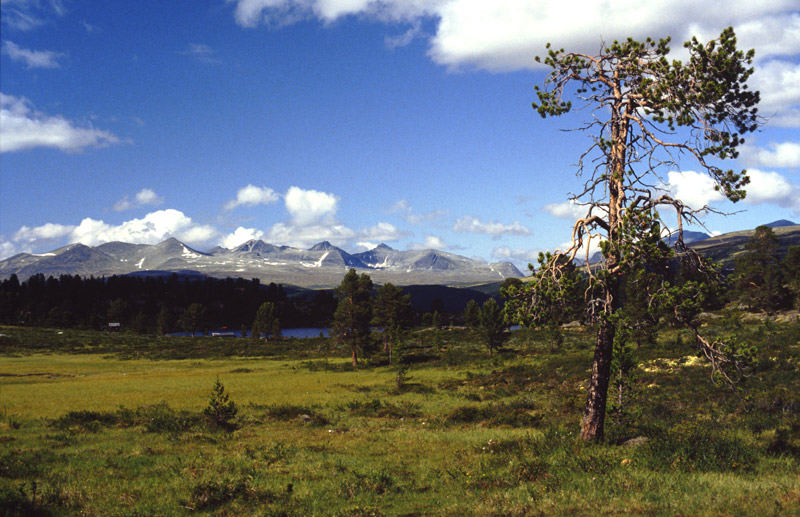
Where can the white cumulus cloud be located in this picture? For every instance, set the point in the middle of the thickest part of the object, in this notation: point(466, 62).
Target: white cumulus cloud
point(150, 229)
point(22, 127)
point(46, 231)
point(252, 195)
point(771, 187)
point(784, 154)
point(240, 236)
point(306, 236)
point(695, 189)
point(404, 209)
point(505, 34)
point(147, 196)
point(310, 206)
point(381, 232)
point(8, 249)
point(779, 84)
point(312, 218)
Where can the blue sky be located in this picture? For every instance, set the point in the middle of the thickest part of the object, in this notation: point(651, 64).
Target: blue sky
point(355, 121)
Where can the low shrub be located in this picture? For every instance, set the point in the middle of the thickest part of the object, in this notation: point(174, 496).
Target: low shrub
point(293, 412)
point(786, 441)
point(378, 408)
point(20, 464)
point(213, 493)
point(692, 448)
point(155, 418)
point(160, 418)
point(88, 420)
point(517, 413)
point(374, 481)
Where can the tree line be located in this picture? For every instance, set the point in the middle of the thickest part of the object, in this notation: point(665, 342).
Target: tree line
point(174, 303)
point(154, 304)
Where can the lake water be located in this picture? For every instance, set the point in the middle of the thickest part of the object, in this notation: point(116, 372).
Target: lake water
point(300, 333)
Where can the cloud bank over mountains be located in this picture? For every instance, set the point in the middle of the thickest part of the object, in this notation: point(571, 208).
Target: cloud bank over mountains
point(311, 218)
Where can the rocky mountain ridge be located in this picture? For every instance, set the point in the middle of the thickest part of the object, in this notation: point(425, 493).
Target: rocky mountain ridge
point(322, 265)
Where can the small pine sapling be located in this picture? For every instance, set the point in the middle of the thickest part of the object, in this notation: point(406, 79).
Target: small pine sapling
point(221, 410)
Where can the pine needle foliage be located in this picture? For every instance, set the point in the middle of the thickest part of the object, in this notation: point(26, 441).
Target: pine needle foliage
point(647, 113)
point(221, 410)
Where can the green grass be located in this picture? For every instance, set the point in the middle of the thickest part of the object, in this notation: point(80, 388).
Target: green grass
point(105, 424)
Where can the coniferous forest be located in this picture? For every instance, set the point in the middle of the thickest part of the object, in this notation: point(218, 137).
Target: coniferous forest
point(158, 304)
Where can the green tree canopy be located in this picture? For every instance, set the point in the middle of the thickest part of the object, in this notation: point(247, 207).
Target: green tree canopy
point(492, 324)
point(392, 311)
point(193, 318)
point(221, 410)
point(791, 271)
point(472, 314)
point(354, 312)
point(758, 272)
point(558, 292)
point(264, 320)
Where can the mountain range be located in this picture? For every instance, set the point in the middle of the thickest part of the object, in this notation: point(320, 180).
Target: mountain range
point(322, 265)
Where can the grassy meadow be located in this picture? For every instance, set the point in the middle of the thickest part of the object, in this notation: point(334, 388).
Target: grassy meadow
point(112, 424)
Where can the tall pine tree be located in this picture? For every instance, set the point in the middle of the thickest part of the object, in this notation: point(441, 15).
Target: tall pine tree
point(645, 109)
point(353, 313)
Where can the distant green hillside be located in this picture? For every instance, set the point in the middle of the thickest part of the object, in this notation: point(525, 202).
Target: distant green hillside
point(722, 248)
point(454, 298)
point(725, 248)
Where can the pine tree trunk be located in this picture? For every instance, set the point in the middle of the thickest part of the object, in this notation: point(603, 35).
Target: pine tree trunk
point(595, 412)
point(355, 359)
